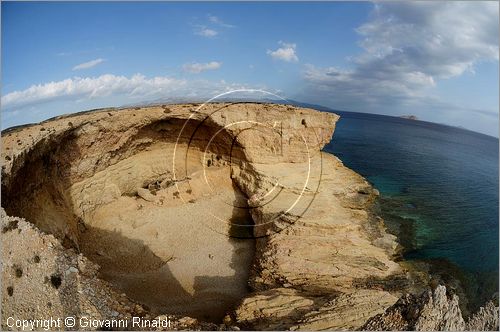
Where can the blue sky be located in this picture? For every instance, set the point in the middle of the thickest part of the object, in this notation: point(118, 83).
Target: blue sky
point(438, 61)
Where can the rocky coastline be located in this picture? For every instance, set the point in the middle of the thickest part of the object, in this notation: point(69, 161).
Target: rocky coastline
point(100, 208)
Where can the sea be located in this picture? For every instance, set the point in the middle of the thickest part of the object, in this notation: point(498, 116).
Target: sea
point(439, 193)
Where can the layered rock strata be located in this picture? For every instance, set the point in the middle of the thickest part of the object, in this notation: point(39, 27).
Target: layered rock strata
point(167, 210)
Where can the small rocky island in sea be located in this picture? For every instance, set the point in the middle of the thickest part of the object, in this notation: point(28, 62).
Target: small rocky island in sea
point(223, 216)
point(409, 117)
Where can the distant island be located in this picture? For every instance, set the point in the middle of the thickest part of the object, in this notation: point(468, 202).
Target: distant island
point(409, 117)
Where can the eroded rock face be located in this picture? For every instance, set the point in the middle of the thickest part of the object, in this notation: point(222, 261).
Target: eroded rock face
point(485, 319)
point(433, 311)
point(334, 254)
point(41, 278)
point(226, 213)
point(289, 309)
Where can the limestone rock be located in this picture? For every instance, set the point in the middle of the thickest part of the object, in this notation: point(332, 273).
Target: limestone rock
point(289, 309)
point(274, 309)
point(68, 181)
point(146, 195)
point(348, 311)
point(36, 285)
point(433, 311)
point(323, 259)
point(440, 312)
point(485, 319)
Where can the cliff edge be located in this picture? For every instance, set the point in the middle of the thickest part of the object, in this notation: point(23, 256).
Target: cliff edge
point(219, 216)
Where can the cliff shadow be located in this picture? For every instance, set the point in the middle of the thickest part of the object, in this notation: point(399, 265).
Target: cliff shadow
point(40, 191)
point(180, 287)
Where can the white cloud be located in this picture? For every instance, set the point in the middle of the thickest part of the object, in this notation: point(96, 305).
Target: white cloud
point(215, 20)
point(211, 28)
point(89, 87)
point(89, 64)
point(121, 88)
point(408, 47)
point(197, 68)
point(286, 52)
point(205, 32)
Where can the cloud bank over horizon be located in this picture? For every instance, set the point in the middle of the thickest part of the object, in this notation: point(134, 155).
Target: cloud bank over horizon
point(408, 48)
point(137, 88)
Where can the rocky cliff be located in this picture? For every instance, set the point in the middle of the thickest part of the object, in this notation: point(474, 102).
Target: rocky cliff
point(221, 216)
point(434, 310)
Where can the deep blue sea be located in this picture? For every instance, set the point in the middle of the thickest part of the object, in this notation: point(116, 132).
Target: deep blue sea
point(439, 191)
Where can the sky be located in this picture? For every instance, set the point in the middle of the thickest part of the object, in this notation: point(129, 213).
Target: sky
point(436, 60)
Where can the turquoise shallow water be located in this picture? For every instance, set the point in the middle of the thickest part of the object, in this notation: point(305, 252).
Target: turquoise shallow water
point(439, 191)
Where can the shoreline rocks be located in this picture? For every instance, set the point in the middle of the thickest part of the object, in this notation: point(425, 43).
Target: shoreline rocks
point(433, 311)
